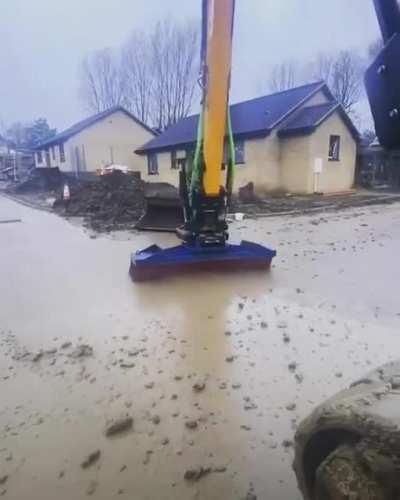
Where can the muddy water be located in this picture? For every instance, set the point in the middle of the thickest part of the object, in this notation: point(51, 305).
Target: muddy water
point(268, 346)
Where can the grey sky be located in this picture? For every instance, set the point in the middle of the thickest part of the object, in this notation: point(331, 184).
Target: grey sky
point(43, 42)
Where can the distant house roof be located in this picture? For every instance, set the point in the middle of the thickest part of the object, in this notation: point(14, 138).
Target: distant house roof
point(78, 127)
point(309, 118)
point(3, 140)
point(256, 117)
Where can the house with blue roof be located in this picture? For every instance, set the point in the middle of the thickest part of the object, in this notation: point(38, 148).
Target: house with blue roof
point(297, 141)
point(106, 138)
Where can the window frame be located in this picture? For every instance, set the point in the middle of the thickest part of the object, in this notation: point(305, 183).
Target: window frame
point(174, 161)
point(242, 160)
point(47, 157)
point(152, 164)
point(332, 155)
point(53, 153)
point(61, 152)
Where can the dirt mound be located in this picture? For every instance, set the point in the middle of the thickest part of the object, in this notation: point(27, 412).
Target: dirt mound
point(40, 180)
point(113, 201)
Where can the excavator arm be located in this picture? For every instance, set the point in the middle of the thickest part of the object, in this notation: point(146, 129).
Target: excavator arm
point(206, 185)
point(208, 193)
point(217, 38)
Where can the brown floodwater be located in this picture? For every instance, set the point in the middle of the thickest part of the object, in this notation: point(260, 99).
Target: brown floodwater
point(269, 347)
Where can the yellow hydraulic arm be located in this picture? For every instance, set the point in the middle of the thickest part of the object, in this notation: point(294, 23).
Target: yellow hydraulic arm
point(219, 18)
point(204, 195)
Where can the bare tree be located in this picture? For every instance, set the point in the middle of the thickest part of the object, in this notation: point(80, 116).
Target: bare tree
point(343, 75)
point(367, 137)
point(16, 133)
point(174, 51)
point(102, 86)
point(283, 76)
point(153, 75)
point(346, 80)
point(137, 76)
point(323, 68)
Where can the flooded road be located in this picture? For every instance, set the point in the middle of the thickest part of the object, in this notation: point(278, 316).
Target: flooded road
point(266, 347)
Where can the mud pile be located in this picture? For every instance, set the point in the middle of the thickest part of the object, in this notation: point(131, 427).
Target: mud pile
point(111, 202)
point(40, 180)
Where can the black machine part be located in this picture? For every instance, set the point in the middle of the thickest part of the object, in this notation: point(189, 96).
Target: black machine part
point(164, 210)
point(205, 218)
point(382, 79)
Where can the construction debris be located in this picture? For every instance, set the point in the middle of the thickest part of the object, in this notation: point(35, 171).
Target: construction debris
point(199, 386)
point(41, 180)
point(113, 201)
point(196, 473)
point(81, 351)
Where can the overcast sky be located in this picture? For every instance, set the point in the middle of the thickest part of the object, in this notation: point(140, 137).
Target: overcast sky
point(43, 42)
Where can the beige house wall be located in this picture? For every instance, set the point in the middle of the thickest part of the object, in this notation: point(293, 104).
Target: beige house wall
point(336, 175)
point(165, 172)
point(262, 161)
point(296, 165)
point(301, 154)
point(261, 166)
point(275, 164)
point(111, 140)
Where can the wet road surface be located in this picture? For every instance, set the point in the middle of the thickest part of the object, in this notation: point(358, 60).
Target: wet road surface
point(267, 347)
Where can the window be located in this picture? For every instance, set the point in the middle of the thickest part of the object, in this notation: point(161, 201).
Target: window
point(239, 152)
point(62, 152)
point(178, 159)
point(334, 148)
point(152, 164)
point(39, 156)
point(53, 153)
point(174, 161)
point(47, 154)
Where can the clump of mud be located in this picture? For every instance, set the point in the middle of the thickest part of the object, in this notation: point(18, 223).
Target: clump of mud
point(119, 426)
